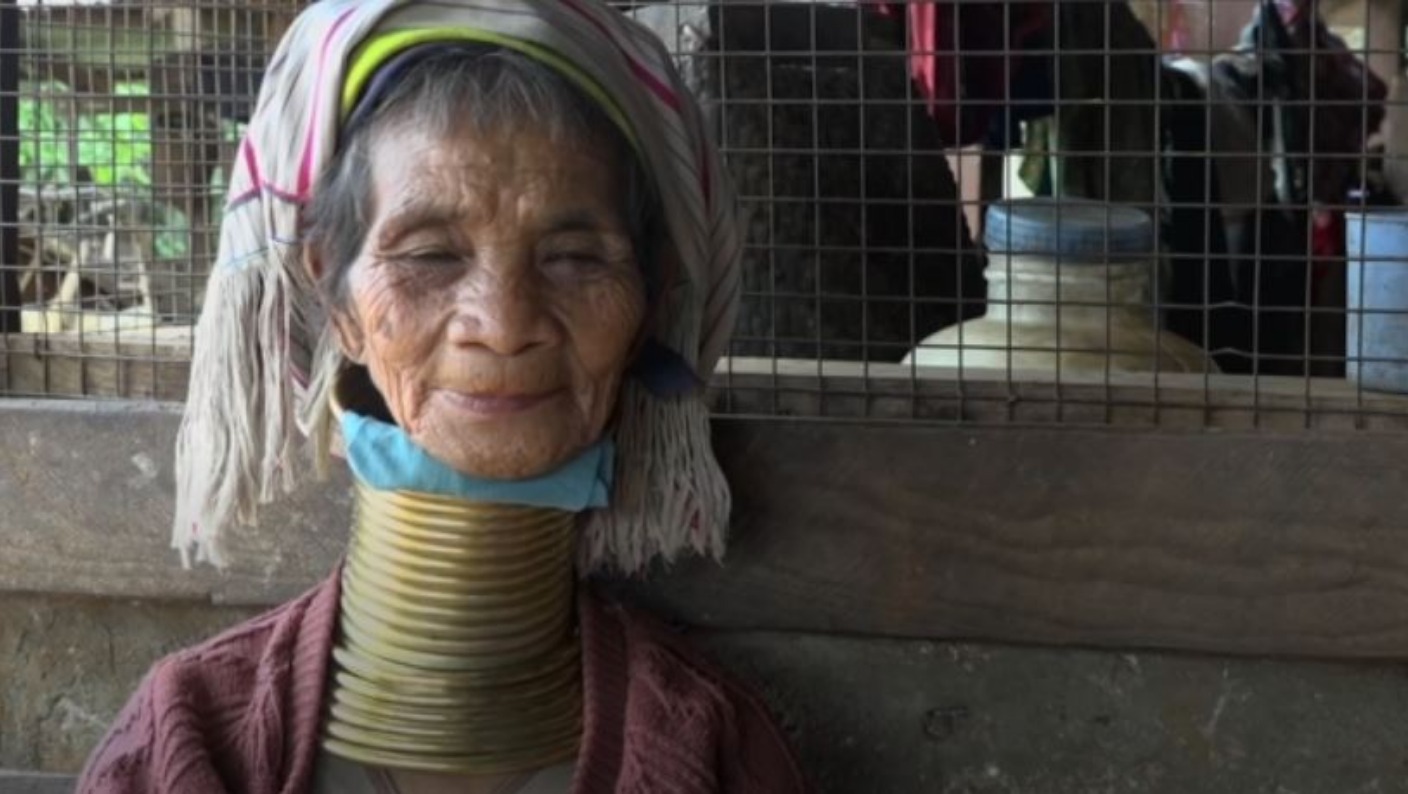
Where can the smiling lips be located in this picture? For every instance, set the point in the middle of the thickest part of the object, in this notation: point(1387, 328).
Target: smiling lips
point(497, 404)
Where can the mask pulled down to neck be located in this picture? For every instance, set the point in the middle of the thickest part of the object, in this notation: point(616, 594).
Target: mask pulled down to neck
point(384, 457)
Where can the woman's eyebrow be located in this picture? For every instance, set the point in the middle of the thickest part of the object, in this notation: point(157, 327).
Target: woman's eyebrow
point(415, 216)
point(435, 213)
point(581, 220)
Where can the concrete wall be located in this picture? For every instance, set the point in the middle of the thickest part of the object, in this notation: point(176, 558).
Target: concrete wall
point(868, 715)
point(69, 663)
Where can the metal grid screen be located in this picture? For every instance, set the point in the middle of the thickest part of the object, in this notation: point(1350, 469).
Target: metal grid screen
point(890, 156)
point(120, 118)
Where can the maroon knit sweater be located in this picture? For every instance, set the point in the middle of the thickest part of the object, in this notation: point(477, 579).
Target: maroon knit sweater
point(242, 713)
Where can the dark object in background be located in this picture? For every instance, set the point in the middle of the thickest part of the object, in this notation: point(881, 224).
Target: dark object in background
point(1313, 105)
point(857, 242)
point(1198, 225)
point(966, 59)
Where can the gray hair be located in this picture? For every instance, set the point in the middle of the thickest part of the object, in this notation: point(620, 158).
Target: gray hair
point(489, 89)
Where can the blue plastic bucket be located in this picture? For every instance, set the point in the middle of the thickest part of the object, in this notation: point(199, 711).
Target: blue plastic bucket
point(1376, 244)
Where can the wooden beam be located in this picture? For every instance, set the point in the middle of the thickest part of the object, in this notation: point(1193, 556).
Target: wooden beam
point(109, 544)
point(1383, 37)
point(9, 168)
point(1234, 543)
point(894, 392)
point(1225, 543)
point(978, 174)
point(155, 364)
point(136, 364)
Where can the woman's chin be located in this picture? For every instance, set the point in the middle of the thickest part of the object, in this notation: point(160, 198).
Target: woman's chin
point(503, 452)
point(499, 407)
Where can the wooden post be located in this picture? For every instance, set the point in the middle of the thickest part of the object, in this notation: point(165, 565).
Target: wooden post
point(979, 174)
point(1383, 37)
point(9, 166)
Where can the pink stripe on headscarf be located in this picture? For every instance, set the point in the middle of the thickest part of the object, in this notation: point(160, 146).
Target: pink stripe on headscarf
point(251, 161)
point(706, 176)
point(305, 168)
point(256, 176)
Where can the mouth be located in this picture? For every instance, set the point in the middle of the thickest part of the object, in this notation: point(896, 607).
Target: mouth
point(497, 404)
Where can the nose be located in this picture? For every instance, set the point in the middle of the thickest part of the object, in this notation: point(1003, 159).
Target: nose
point(503, 312)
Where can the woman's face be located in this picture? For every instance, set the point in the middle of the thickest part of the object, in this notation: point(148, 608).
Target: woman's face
point(497, 299)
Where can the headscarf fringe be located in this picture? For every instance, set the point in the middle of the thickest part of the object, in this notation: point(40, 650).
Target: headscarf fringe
point(670, 494)
point(232, 448)
point(316, 420)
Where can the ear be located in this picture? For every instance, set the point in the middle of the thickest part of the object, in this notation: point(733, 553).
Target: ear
point(313, 263)
point(350, 339)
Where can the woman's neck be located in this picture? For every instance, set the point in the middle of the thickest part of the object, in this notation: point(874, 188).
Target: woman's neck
point(457, 649)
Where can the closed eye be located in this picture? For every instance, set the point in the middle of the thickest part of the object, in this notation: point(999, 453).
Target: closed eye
point(431, 258)
point(582, 259)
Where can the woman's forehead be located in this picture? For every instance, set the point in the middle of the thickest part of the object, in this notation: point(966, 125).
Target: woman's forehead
point(427, 179)
point(476, 158)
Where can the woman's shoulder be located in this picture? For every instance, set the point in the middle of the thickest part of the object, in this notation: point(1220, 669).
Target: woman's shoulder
point(261, 647)
point(674, 695)
point(189, 698)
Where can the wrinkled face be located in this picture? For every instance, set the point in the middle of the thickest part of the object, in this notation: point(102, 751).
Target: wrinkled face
point(497, 301)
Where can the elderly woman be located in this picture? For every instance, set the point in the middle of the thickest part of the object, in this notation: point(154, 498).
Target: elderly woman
point(490, 245)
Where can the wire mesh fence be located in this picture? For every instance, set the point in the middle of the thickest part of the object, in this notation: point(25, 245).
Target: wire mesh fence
point(122, 118)
point(1154, 212)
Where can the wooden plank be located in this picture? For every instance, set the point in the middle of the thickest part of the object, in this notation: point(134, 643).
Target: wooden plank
point(148, 364)
point(1231, 542)
point(1333, 389)
point(154, 364)
point(857, 390)
point(114, 540)
point(1227, 543)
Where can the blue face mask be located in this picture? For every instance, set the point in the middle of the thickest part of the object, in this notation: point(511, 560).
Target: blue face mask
point(385, 458)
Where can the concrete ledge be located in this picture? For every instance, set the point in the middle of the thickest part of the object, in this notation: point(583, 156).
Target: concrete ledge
point(86, 505)
point(35, 783)
point(1232, 543)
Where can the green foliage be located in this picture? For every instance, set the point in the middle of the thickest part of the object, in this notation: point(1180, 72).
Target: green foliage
point(43, 138)
point(114, 150)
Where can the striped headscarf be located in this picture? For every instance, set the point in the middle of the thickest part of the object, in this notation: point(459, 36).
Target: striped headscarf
point(263, 368)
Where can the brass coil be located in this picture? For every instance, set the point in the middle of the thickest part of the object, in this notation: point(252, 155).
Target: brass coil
point(456, 651)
